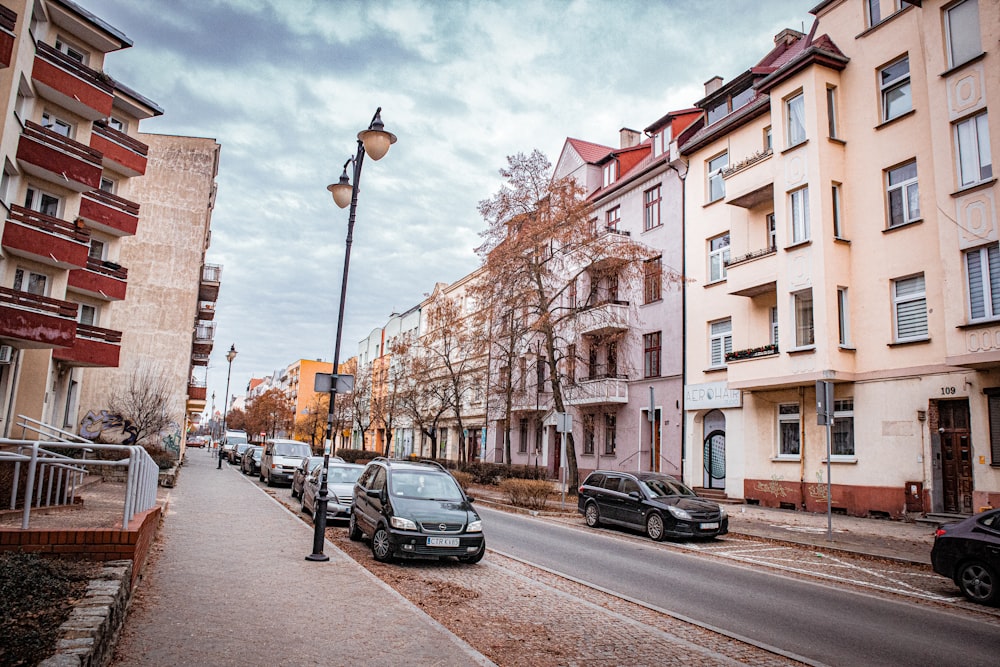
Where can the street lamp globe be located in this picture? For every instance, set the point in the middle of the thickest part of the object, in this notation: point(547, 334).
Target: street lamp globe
point(375, 139)
point(342, 190)
point(231, 354)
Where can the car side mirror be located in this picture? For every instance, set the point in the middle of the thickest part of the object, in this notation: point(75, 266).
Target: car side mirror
point(471, 499)
point(374, 493)
point(635, 494)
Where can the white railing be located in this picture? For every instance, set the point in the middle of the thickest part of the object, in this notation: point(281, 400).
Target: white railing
point(52, 477)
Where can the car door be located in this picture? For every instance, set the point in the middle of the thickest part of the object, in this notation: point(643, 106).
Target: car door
point(631, 509)
point(609, 501)
point(988, 544)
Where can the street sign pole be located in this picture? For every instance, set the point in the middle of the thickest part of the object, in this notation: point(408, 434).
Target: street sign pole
point(564, 424)
point(824, 417)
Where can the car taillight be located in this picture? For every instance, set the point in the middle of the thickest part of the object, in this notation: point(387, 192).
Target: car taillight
point(939, 532)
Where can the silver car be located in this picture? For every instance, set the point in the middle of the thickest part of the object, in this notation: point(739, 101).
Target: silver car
point(339, 489)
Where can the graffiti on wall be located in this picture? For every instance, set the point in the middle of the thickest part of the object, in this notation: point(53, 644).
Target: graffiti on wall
point(172, 440)
point(94, 424)
point(774, 487)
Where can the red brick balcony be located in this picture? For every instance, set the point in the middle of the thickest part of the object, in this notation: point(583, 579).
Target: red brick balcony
point(109, 213)
point(121, 152)
point(102, 280)
point(8, 19)
point(36, 321)
point(70, 84)
point(57, 159)
point(208, 288)
point(45, 239)
point(93, 347)
point(206, 310)
point(197, 391)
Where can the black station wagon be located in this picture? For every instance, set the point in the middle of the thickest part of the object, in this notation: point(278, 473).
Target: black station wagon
point(657, 504)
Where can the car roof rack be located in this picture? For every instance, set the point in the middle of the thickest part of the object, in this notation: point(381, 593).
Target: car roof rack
point(433, 463)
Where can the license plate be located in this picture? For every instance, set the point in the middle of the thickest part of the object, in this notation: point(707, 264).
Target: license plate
point(710, 526)
point(442, 542)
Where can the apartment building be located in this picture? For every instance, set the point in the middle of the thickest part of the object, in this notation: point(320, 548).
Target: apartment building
point(71, 157)
point(841, 226)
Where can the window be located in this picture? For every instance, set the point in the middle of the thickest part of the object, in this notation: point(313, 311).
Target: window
point(903, 194)
point(612, 218)
point(993, 401)
point(842, 432)
point(720, 342)
point(874, 12)
point(652, 280)
point(795, 112)
point(42, 202)
point(718, 255)
point(768, 142)
point(88, 315)
point(30, 282)
point(96, 249)
point(660, 141)
point(118, 124)
point(108, 185)
point(523, 374)
point(522, 436)
point(772, 232)
point(894, 82)
point(774, 325)
point(718, 111)
point(843, 321)
point(610, 173)
point(962, 31)
point(802, 304)
point(57, 125)
point(742, 98)
point(983, 274)
point(974, 162)
point(788, 430)
point(800, 215)
point(610, 435)
point(571, 363)
point(716, 186)
point(588, 434)
point(651, 211)
point(838, 221)
point(651, 356)
point(831, 112)
point(571, 294)
point(442, 443)
point(910, 307)
point(71, 51)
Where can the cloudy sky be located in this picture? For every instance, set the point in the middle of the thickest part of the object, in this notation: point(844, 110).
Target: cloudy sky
point(285, 85)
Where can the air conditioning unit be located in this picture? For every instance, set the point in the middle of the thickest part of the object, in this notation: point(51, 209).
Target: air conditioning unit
point(6, 354)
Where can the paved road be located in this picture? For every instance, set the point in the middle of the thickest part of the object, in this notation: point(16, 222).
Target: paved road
point(822, 623)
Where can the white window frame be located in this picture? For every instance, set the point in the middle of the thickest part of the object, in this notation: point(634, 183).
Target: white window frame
point(908, 191)
point(71, 50)
point(87, 314)
point(833, 125)
point(873, 12)
point(56, 124)
point(716, 186)
point(914, 297)
point(972, 148)
point(34, 279)
point(798, 201)
point(962, 32)
point(98, 248)
point(804, 319)
point(843, 318)
point(795, 120)
point(772, 231)
point(888, 88)
point(843, 411)
point(35, 200)
point(116, 123)
point(720, 342)
point(982, 279)
point(610, 173)
point(718, 255)
point(774, 325)
point(837, 202)
point(787, 416)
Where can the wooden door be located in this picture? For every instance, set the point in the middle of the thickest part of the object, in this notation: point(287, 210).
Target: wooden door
point(956, 456)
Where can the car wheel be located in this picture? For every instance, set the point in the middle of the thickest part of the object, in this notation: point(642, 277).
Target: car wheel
point(381, 547)
point(978, 582)
point(654, 527)
point(353, 532)
point(592, 515)
point(474, 558)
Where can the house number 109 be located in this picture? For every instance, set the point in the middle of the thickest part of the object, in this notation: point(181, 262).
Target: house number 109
point(948, 391)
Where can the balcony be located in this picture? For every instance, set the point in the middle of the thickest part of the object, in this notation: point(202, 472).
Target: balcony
point(197, 390)
point(70, 84)
point(36, 321)
point(93, 347)
point(598, 390)
point(208, 289)
point(206, 310)
point(101, 280)
point(109, 213)
point(528, 401)
point(57, 159)
point(752, 353)
point(204, 338)
point(121, 152)
point(8, 19)
point(199, 359)
point(747, 184)
point(46, 239)
point(752, 274)
point(603, 319)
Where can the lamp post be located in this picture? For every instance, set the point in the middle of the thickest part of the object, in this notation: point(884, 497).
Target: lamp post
point(373, 142)
point(225, 408)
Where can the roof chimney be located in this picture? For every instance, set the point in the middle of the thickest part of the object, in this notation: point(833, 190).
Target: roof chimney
point(629, 138)
point(713, 85)
point(787, 36)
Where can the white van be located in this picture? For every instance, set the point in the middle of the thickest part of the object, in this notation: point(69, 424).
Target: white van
point(281, 458)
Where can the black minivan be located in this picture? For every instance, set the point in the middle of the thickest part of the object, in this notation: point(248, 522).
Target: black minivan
point(415, 509)
point(655, 503)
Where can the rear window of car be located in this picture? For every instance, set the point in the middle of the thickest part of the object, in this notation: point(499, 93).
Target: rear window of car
point(595, 479)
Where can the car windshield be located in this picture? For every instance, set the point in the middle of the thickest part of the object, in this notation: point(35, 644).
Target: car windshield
point(255, 453)
point(235, 439)
point(660, 486)
point(427, 485)
point(338, 475)
point(300, 449)
point(241, 447)
point(315, 462)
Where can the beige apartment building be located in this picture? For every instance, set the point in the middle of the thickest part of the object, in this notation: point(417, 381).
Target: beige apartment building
point(841, 220)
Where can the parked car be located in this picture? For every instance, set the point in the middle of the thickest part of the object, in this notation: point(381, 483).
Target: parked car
point(231, 438)
point(303, 470)
point(281, 458)
point(415, 509)
point(657, 504)
point(250, 463)
point(339, 489)
point(196, 440)
point(968, 553)
point(235, 455)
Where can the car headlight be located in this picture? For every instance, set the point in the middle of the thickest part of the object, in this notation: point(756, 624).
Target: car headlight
point(679, 513)
point(722, 512)
point(475, 526)
point(402, 524)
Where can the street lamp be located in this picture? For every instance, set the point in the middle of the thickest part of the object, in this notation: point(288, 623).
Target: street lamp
point(225, 408)
point(375, 143)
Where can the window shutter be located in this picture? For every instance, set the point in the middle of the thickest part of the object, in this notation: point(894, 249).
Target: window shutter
point(993, 252)
point(977, 302)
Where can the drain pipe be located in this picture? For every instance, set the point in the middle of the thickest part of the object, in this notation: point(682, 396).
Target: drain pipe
point(802, 448)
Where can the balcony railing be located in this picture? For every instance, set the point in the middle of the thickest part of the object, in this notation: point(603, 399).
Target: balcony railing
point(211, 273)
point(42, 304)
point(48, 223)
point(204, 332)
point(37, 320)
point(110, 213)
point(603, 318)
point(121, 152)
point(71, 84)
point(750, 256)
point(753, 352)
point(8, 19)
point(597, 389)
point(97, 333)
point(58, 159)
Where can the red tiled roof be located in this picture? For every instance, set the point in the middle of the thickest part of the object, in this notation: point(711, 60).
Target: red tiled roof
point(589, 152)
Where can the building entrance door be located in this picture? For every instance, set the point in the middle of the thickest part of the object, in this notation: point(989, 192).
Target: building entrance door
point(956, 456)
point(714, 454)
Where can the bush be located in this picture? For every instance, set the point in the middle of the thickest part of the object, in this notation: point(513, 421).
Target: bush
point(357, 455)
point(529, 493)
point(464, 479)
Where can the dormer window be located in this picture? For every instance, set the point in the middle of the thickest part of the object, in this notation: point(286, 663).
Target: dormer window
point(610, 173)
point(661, 142)
point(730, 103)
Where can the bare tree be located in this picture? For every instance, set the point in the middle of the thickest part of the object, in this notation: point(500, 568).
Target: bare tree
point(311, 427)
point(269, 413)
point(360, 399)
point(143, 404)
